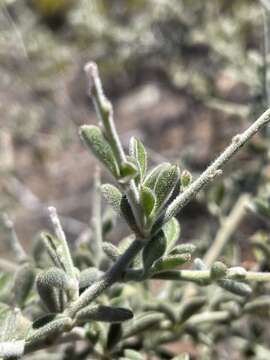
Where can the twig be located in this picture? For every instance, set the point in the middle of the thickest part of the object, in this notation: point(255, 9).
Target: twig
point(96, 220)
point(13, 240)
point(7, 266)
point(226, 230)
point(223, 235)
point(109, 278)
point(105, 112)
point(205, 275)
point(64, 246)
point(237, 142)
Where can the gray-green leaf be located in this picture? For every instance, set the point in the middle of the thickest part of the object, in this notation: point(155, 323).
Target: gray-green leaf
point(166, 182)
point(154, 250)
point(95, 140)
point(148, 200)
point(138, 152)
point(112, 195)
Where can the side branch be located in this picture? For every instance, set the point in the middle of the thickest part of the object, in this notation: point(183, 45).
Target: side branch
point(237, 142)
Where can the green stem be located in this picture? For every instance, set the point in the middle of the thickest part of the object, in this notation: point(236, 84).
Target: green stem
point(205, 275)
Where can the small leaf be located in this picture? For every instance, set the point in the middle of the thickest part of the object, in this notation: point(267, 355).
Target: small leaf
point(108, 221)
point(163, 307)
point(128, 172)
point(104, 313)
point(111, 251)
point(235, 287)
point(48, 284)
point(218, 270)
point(112, 195)
point(185, 179)
point(137, 151)
point(114, 335)
point(172, 232)
point(93, 137)
point(191, 307)
point(199, 264)
point(128, 214)
point(145, 322)
point(170, 262)
point(183, 249)
point(166, 182)
point(154, 250)
point(43, 320)
point(152, 176)
point(24, 280)
point(88, 277)
point(47, 333)
point(260, 306)
point(50, 246)
point(148, 200)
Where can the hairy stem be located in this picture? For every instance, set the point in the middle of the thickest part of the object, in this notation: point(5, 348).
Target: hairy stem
point(237, 142)
point(226, 230)
point(105, 113)
point(14, 241)
point(96, 220)
point(109, 278)
point(205, 275)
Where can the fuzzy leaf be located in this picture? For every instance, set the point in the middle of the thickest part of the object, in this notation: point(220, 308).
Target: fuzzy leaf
point(114, 335)
point(235, 287)
point(108, 221)
point(128, 172)
point(48, 284)
point(95, 140)
point(170, 262)
point(50, 246)
point(183, 249)
point(260, 306)
point(172, 232)
point(154, 250)
point(47, 332)
point(104, 313)
point(137, 151)
point(163, 307)
point(166, 182)
point(24, 280)
point(128, 214)
point(111, 251)
point(112, 195)
point(148, 200)
point(89, 276)
point(191, 307)
point(43, 320)
point(152, 176)
point(218, 270)
point(185, 178)
point(144, 322)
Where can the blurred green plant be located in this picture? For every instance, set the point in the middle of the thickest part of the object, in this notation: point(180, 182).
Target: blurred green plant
point(99, 292)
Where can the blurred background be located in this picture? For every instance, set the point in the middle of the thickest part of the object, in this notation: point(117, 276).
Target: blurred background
point(184, 76)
